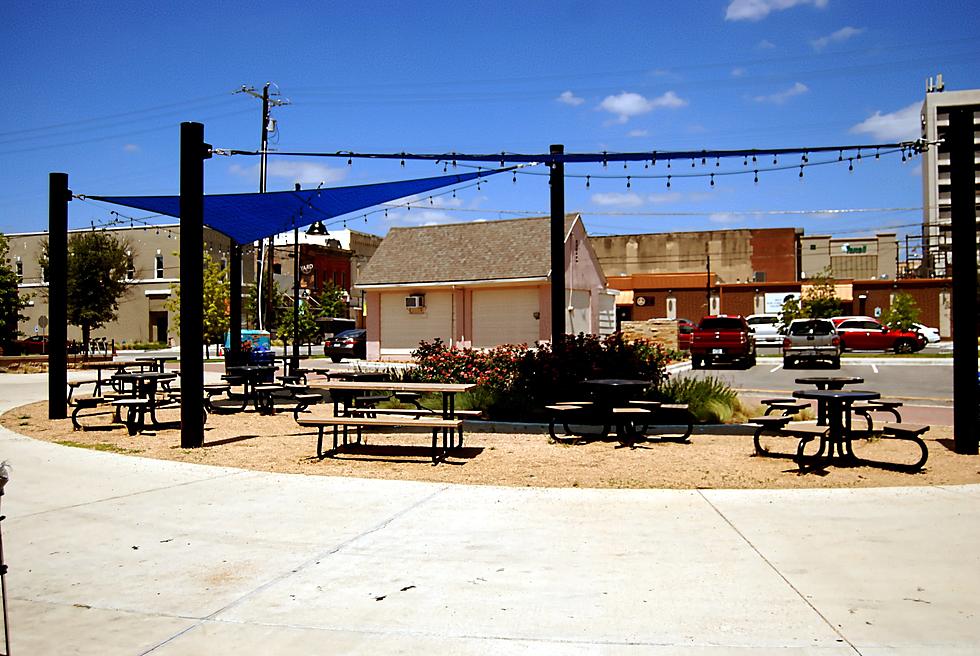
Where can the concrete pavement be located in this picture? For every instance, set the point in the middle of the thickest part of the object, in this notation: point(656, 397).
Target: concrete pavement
point(111, 554)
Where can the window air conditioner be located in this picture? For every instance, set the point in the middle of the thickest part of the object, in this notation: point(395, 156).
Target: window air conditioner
point(415, 301)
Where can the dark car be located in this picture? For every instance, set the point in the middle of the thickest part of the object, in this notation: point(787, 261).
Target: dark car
point(346, 344)
point(33, 345)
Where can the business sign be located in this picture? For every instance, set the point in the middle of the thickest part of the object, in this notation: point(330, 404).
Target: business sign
point(774, 300)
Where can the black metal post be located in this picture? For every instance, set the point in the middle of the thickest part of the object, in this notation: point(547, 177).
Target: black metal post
point(58, 197)
point(193, 152)
point(707, 285)
point(235, 305)
point(294, 361)
point(963, 206)
point(557, 181)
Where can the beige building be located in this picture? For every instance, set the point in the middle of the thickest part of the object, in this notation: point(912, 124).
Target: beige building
point(479, 284)
point(936, 219)
point(863, 258)
point(741, 255)
point(154, 270)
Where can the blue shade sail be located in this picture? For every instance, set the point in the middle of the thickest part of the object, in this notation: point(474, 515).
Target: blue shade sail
point(250, 217)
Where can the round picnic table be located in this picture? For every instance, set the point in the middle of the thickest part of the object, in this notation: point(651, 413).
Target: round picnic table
point(836, 406)
point(828, 383)
point(611, 393)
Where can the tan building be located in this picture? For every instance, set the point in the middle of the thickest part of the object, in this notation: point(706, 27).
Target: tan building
point(155, 269)
point(863, 258)
point(479, 284)
point(936, 218)
point(743, 255)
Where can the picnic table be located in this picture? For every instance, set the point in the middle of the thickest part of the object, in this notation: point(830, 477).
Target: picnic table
point(837, 409)
point(828, 383)
point(157, 362)
point(251, 376)
point(117, 367)
point(144, 387)
point(613, 404)
point(347, 414)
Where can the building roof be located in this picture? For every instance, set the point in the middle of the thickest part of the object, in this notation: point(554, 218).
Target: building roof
point(481, 250)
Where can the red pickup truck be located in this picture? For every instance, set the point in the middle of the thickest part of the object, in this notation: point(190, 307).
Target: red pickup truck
point(722, 338)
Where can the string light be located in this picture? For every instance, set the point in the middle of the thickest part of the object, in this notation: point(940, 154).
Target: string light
point(588, 178)
point(628, 182)
point(859, 153)
point(757, 176)
point(850, 164)
point(712, 179)
point(668, 182)
point(801, 170)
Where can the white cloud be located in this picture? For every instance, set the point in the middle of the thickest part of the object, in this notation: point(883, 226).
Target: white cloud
point(754, 10)
point(897, 126)
point(570, 98)
point(765, 44)
point(617, 199)
point(723, 217)
point(780, 97)
point(738, 71)
point(628, 104)
point(638, 133)
point(306, 173)
point(843, 34)
point(669, 197)
point(132, 148)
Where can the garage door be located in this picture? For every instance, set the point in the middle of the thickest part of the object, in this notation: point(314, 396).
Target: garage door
point(401, 329)
point(505, 316)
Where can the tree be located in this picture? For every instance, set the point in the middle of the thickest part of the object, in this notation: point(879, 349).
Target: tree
point(332, 302)
point(817, 301)
point(306, 329)
point(280, 300)
point(96, 279)
point(11, 302)
point(216, 295)
point(902, 314)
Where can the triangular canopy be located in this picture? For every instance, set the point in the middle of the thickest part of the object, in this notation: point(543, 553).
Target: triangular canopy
point(250, 217)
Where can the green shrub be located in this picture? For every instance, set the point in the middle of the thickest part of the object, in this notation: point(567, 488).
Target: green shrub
point(142, 346)
point(709, 399)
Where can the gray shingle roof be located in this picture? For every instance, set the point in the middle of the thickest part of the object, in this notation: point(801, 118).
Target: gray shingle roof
point(481, 250)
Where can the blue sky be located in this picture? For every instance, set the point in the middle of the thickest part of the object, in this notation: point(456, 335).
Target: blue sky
point(98, 90)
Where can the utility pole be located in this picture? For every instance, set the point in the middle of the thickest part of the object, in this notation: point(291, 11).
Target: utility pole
point(265, 254)
point(294, 361)
point(707, 282)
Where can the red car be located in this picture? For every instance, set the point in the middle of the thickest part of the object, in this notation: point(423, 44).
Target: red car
point(685, 330)
point(866, 334)
point(33, 345)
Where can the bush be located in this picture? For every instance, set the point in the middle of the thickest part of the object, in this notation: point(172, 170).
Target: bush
point(516, 381)
point(709, 399)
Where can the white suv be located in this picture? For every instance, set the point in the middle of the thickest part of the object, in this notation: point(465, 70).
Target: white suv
point(766, 329)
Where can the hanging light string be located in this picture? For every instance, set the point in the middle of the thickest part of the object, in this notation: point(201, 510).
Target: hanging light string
point(503, 157)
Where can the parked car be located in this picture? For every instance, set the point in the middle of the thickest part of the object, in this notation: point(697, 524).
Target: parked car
point(866, 334)
point(722, 338)
point(765, 327)
point(346, 344)
point(811, 340)
point(33, 345)
point(685, 329)
point(931, 334)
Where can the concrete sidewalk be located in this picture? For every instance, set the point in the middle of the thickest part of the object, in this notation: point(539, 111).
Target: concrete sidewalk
point(111, 554)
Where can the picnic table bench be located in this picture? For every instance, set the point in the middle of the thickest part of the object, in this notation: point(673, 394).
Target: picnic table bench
point(351, 412)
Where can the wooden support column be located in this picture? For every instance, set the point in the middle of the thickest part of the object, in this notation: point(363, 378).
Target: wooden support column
point(557, 181)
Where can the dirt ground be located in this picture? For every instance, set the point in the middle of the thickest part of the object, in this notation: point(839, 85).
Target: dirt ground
point(277, 444)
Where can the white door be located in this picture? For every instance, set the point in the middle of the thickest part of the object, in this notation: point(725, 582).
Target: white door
point(671, 307)
point(579, 319)
point(505, 316)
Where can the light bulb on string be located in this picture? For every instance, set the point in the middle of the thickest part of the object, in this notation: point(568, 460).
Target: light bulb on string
point(801, 171)
point(668, 163)
point(514, 179)
point(859, 153)
point(403, 163)
point(850, 164)
point(454, 193)
point(692, 162)
point(587, 179)
point(445, 167)
point(903, 155)
point(877, 153)
point(774, 161)
point(704, 160)
point(840, 156)
point(757, 176)
point(430, 200)
point(386, 212)
point(745, 162)
point(604, 162)
point(712, 179)
point(717, 161)
point(628, 182)
point(668, 182)
point(625, 166)
point(350, 161)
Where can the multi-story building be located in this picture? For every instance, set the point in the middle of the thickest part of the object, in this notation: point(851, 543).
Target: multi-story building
point(936, 219)
point(154, 269)
point(860, 258)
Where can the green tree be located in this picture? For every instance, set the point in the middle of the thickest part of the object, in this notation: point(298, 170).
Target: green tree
point(281, 305)
point(818, 300)
point(332, 302)
point(306, 329)
point(902, 314)
point(11, 303)
point(216, 295)
point(96, 279)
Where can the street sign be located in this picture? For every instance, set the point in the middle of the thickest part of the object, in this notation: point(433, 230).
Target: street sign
point(42, 321)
